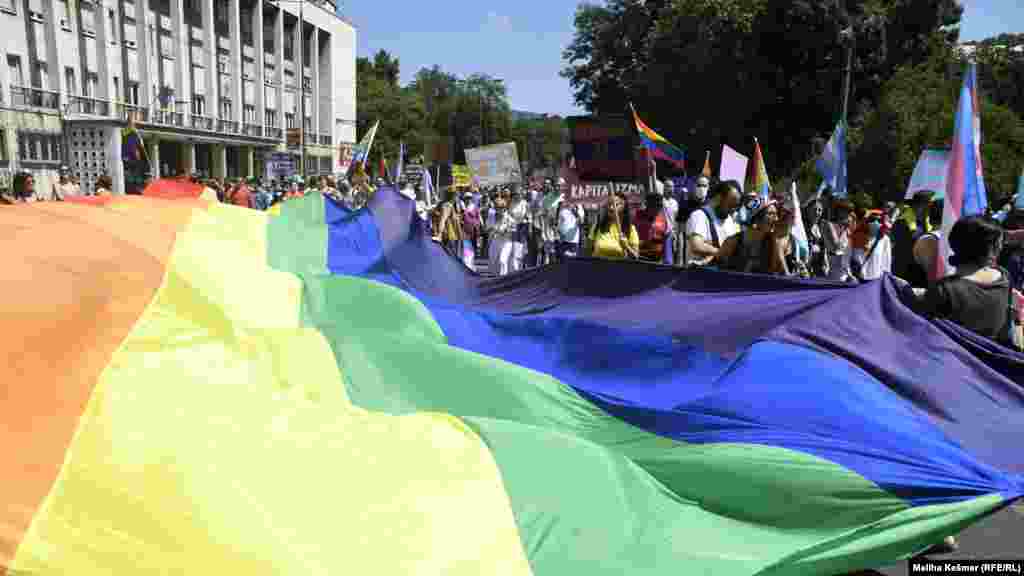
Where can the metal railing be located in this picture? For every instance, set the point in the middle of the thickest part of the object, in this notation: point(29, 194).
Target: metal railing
point(227, 126)
point(128, 111)
point(88, 105)
point(252, 129)
point(200, 122)
point(35, 97)
point(325, 139)
point(273, 132)
point(169, 118)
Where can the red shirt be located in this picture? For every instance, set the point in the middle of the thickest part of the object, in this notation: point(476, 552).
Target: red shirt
point(652, 233)
point(241, 197)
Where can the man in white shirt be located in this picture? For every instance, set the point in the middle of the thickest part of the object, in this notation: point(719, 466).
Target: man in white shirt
point(569, 223)
point(709, 227)
point(669, 204)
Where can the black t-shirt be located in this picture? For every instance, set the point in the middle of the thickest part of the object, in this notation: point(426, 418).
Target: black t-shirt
point(981, 308)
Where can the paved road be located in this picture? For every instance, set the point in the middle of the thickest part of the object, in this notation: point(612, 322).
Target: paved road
point(999, 537)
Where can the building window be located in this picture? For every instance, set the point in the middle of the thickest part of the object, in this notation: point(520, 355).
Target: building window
point(88, 19)
point(92, 82)
point(250, 114)
point(271, 118)
point(65, 15)
point(307, 83)
point(245, 26)
point(69, 81)
point(289, 79)
point(198, 104)
point(289, 45)
point(225, 109)
point(133, 93)
point(43, 74)
point(289, 120)
point(117, 89)
point(112, 26)
point(268, 37)
point(9, 6)
point(39, 147)
point(14, 69)
point(222, 9)
point(307, 126)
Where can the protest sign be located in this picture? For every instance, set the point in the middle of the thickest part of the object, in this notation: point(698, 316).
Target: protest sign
point(279, 164)
point(593, 194)
point(494, 165)
point(461, 176)
point(734, 166)
point(929, 174)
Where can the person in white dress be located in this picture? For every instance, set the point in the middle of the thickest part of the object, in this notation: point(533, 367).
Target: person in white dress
point(500, 227)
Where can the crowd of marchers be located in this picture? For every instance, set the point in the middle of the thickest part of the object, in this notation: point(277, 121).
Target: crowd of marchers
point(717, 226)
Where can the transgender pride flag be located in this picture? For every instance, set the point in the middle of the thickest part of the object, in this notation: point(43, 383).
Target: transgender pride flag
point(965, 185)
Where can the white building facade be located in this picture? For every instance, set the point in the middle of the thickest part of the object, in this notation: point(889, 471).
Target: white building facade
point(213, 86)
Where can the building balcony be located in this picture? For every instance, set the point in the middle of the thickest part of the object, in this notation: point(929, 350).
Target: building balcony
point(168, 118)
point(252, 129)
point(132, 112)
point(273, 132)
point(27, 96)
point(325, 139)
point(227, 126)
point(200, 122)
point(88, 105)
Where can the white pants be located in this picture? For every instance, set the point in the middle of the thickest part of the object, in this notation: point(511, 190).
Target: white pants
point(518, 256)
point(500, 256)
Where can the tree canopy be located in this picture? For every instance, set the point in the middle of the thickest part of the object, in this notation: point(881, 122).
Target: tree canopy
point(438, 114)
point(713, 72)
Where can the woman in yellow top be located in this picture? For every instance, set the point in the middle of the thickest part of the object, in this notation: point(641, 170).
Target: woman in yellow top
point(614, 237)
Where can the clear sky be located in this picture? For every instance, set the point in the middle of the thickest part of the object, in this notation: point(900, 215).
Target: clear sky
point(522, 42)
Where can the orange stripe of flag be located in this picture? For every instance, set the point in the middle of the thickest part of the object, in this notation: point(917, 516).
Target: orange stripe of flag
point(61, 328)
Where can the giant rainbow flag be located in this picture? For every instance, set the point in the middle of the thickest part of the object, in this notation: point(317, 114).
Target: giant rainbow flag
point(191, 387)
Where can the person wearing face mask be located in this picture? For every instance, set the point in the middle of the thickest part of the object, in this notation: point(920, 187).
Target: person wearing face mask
point(691, 203)
point(876, 256)
point(708, 227)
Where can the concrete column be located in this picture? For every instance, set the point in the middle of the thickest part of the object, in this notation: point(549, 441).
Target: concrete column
point(116, 164)
point(257, 41)
point(143, 21)
point(326, 85)
point(103, 70)
point(181, 54)
point(210, 47)
point(189, 157)
point(279, 67)
point(314, 75)
point(235, 38)
point(153, 151)
point(248, 162)
point(53, 62)
point(299, 72)
point(219, 162)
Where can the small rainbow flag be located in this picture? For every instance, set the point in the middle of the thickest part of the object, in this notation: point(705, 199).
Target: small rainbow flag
point(658, 145)
point(757, 174)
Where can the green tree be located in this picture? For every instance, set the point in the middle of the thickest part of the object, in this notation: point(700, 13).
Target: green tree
point(916, 111)
point(711, 72)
